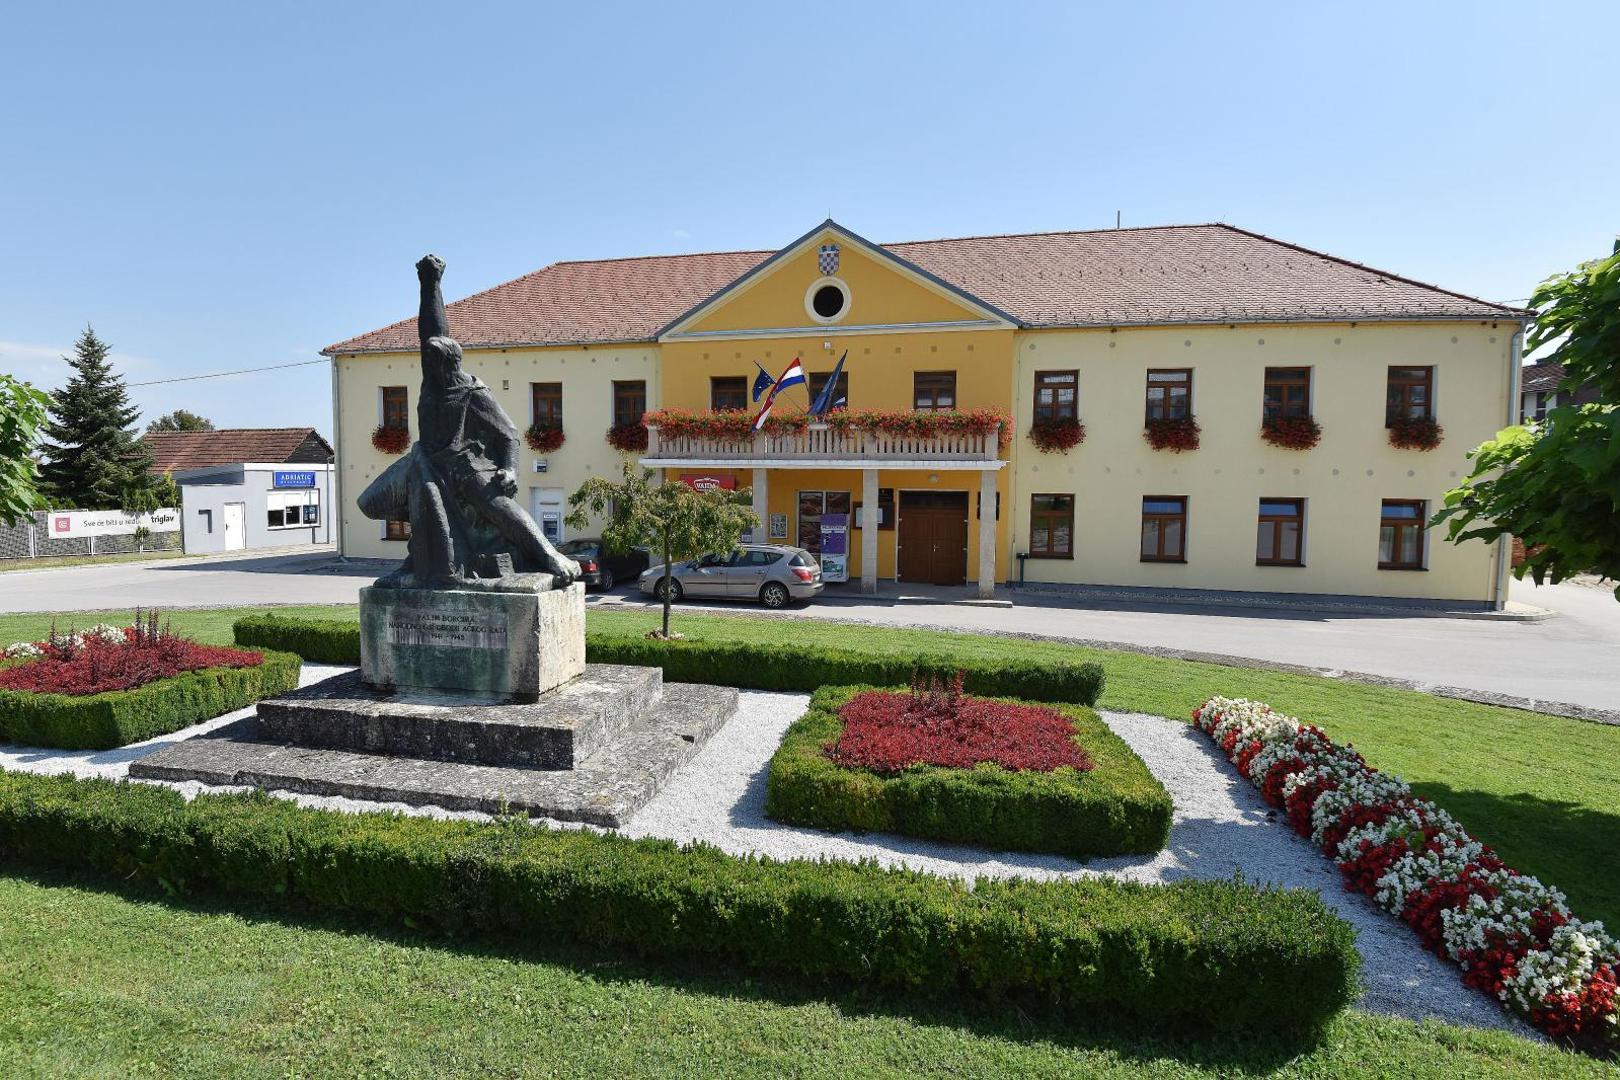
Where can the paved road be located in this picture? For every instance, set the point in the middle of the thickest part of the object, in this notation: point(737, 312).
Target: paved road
point(1573, 657)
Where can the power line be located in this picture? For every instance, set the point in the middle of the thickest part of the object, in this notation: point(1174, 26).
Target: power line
point(222, 374)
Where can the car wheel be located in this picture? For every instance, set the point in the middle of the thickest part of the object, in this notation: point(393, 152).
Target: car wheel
point(774, 595)
point(604, 579)
point(672, 586)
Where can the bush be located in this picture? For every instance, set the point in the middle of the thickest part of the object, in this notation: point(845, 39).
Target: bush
point(742, 664)
point(323, 641)
point(1220, 953)
point(120, 717)
point(1117, 808)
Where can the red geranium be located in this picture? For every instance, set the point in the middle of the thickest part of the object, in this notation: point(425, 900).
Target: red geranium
point(391, 440)
point(628, 438)
point(543, 439)
point(1415, 433)
point(1291, 432)
point(1057, 436)
point(889, 732)
point(1175, 435)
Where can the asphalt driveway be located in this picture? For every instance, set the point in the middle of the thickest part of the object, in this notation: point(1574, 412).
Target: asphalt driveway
point(1572, 657)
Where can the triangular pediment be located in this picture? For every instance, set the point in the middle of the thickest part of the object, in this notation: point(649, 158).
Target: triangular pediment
point(832, 281)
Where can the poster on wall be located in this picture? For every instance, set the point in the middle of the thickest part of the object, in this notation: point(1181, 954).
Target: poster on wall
point(779, 526)
point(68, 524)
point(835, 547)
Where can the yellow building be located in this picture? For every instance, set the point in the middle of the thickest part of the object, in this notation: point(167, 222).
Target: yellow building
point(1220, 342)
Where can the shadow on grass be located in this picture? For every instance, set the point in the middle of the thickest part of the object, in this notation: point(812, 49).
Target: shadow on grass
point(961, 1009)
point(1566, 844)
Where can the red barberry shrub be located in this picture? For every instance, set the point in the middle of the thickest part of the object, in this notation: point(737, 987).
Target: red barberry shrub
point(94, 666)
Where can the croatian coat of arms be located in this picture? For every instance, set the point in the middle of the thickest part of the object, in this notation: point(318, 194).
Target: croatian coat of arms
point(827, 258)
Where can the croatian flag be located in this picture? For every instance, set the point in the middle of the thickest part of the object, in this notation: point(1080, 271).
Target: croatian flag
point(793, 376)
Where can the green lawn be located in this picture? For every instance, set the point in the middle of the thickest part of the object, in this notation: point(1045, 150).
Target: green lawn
point(69, 562)
point(99, 984)
point(1543, 790)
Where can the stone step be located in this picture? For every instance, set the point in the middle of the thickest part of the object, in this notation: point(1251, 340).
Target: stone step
point(604, 789)
point(562, 728)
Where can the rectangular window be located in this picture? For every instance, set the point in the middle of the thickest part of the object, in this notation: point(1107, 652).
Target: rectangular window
point(396, 530)
point(1164, 528)
point(1169, 393)
point(813, 504)
point(1400, 534)
point(1051, 526)
point(396, 408)
point(629, 401)
point(933, 391)
point(292, 509)
point(1057, 396)
point(1288, 393)
point(728, 392)
point(1410, 393)
point(818, 382)
point(1281, 534)
point(546, 399)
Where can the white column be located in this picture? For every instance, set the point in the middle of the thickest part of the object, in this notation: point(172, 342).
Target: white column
point(762, 506)
point(987, 534)
point(869, 530)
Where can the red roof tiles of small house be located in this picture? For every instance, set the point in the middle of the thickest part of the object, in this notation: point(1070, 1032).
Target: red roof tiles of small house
point(1113, 277)
point(172, 450)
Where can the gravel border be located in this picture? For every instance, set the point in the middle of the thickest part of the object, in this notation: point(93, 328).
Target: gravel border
point(1221, 828)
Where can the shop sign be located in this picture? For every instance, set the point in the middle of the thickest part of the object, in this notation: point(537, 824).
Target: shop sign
point(295, 479)
point(704, 482)
point(69, 524)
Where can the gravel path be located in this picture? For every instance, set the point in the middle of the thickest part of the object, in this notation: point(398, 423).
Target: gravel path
point(1221, 828)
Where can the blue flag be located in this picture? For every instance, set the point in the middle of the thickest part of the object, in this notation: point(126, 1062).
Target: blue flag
point(762, 381)
point(824, 400)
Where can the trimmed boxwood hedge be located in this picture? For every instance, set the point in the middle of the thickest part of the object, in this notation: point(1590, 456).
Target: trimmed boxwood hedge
point(742, 664)
point(121, 717)
point(1118, 808)
point(1231, 955)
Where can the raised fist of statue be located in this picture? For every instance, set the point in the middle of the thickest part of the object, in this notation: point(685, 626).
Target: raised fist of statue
point(430, 268)
point(506, 482)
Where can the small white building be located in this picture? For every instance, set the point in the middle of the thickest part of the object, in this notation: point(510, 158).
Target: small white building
point(254, 504)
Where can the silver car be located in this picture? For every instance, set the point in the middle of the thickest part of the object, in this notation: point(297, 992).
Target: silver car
point(773, 574)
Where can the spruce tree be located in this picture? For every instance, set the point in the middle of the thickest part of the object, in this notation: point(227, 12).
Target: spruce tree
point(92, 456)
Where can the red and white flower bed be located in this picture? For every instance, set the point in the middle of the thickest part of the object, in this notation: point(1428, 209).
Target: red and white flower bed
point(1513, 936)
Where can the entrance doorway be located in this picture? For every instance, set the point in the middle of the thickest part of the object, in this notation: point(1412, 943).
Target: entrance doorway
point(235, 526)
point(933, 537)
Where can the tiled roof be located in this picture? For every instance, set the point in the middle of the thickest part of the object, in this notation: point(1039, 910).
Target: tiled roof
point(173, 450)
point(1114, 277)
point(1543, 376)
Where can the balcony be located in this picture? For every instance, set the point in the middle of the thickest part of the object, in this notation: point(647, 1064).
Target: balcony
point(821, 445)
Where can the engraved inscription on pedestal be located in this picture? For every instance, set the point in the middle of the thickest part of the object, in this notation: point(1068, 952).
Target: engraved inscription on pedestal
point(512, 644)
point(452, 629)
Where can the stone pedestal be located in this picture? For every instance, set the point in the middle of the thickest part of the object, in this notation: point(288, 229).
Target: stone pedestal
point(514, 641)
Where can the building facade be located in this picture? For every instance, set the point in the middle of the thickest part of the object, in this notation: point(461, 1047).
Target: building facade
point(1204, 329)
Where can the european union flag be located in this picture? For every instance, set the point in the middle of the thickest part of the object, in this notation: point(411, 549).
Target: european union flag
point(762, 381)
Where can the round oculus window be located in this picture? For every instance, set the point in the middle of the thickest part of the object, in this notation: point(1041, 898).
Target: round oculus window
point(827, 300)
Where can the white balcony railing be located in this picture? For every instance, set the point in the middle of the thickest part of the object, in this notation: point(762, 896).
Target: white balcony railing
point(824, 443)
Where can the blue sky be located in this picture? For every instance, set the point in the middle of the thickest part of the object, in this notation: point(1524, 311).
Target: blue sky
point(220, 186)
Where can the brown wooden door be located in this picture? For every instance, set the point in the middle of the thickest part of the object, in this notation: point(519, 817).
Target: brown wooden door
point(933, 536)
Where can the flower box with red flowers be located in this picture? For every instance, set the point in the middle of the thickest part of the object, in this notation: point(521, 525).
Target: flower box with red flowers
point(628, 438)
point(1057, 436)
point(543, 438)
point(111, 686)
point(935, 762)
point(1176, 435)
point(1291, 432)
point(391, 440)
point(1415, 433)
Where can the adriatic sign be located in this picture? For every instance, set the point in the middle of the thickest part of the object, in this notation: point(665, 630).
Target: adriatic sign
point(68, 524)
point(294, 479)
point(457, 629)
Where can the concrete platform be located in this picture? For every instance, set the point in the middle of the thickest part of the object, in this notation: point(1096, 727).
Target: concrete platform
point(603, 789)
point(563, 727)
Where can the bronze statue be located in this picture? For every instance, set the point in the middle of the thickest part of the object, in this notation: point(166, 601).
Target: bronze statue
point(456, 484)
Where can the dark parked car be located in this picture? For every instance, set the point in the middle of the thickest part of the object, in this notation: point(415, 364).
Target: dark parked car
point(601, 569)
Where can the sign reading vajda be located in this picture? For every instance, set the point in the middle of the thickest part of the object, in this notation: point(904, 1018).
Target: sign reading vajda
point(67, 524)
